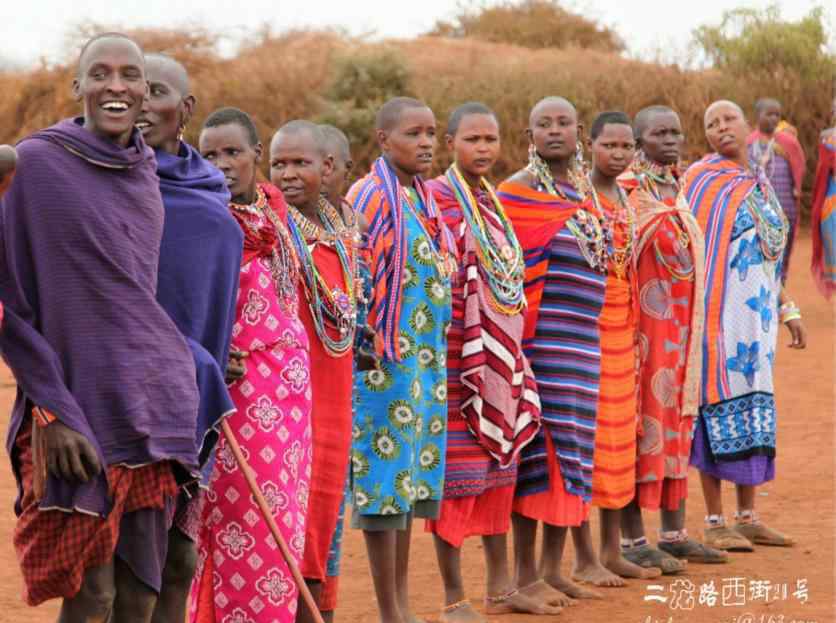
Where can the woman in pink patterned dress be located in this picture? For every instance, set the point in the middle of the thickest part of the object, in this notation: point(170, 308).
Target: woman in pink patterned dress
point(241, 576)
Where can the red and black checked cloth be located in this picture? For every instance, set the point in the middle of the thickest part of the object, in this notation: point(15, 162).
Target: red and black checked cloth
point(54, 548)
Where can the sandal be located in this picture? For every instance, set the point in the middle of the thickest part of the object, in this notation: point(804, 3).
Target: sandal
point(726, 539)
point(648, 557)
point(694, 551)
point(760, 534)
point(459, 605)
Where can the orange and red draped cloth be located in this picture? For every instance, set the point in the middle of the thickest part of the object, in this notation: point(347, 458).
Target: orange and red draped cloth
point(493, 408)
point(824, 217)
point(331, 383)
point(614, 475)
point(564, 297)
point(670, 259)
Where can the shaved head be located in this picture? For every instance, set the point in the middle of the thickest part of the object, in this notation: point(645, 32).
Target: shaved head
point(301, 126)
point(94, 41)
point(336, 142)
point(643, 118)
point(552, 100)
point(766, 102)
point(169, 68)
point(721, 104)
point(390, 113)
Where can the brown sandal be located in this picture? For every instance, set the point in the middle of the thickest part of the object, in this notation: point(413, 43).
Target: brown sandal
point(726, 539)
point(760, 534)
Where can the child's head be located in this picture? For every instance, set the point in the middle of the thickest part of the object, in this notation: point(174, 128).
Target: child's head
point(229, 140)
point(612, 143)
point(8, 163)
point(338, 147)
point(473, 137)
point(406, 134)
point(299, 163)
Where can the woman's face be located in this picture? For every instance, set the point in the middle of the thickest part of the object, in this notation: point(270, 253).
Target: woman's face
point(553, 130)
point(475, 144)
point(726, 130)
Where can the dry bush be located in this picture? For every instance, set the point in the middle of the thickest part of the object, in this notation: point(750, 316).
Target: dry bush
point(531, 24)
point(328, 77)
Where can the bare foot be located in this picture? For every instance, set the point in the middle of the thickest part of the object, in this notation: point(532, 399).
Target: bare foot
point(547, 593)
point(597, 575)
point(462, 612)
point(519, 602)
point(571, 590)
point(626, 569)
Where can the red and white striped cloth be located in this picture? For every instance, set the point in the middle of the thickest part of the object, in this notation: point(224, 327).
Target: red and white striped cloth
point(500, 402)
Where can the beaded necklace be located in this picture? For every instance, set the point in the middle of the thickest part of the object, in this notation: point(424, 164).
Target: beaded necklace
point(764, 158)
point(283, 263)
point(652, 174)
point(445, 265)
point(503, 265)
point(338, 306)
point(541, 171)
point(773, 236)
point(584, 226)
point(621, 257)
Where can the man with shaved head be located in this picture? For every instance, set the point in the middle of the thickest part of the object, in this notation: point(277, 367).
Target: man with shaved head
point(746, 233)
point(197, 283)
point(775, 150)
point(103, 430)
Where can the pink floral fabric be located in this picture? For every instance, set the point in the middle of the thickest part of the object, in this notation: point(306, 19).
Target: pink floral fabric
point(241, 576)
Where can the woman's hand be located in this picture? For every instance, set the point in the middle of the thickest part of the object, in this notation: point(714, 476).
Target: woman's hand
point(798, 332)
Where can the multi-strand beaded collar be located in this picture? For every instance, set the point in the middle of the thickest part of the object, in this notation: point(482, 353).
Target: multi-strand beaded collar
point(621, 257)
point(335, 307)
point(651, 175)
point(284, 265)
point(584, 226)
point(502, 264)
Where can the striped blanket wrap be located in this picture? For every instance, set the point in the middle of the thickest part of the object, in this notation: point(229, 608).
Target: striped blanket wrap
point(499, 400)
point(715, 188)
point(379, 197)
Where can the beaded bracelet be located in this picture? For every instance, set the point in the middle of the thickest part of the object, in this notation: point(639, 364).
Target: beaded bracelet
point(791, 315)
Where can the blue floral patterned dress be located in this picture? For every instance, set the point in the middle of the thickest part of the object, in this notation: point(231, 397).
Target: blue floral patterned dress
point(401, 409)
point(735, 439)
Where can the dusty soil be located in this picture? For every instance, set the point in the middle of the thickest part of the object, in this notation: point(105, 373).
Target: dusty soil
point(800, 502)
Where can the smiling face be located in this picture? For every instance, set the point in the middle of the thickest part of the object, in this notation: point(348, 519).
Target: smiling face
point(769, 116)
point(475, 144)
point(297, 168)
point(662, 139)
point(613, 150)
point(726, 130)
point(167, 107)
point(111, 84)
point(553, 129)
point(410, 143)
point(228, 148)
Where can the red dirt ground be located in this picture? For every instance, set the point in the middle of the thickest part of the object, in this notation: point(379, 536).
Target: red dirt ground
point(800, 502)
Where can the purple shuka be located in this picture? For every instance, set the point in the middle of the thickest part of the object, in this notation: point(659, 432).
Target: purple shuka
point(87, 339)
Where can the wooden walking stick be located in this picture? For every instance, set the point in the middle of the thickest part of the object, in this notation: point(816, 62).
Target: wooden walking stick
point(268, 517)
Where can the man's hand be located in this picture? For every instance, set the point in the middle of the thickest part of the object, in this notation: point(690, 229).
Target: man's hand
point(236, 368)
point(69, 455)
